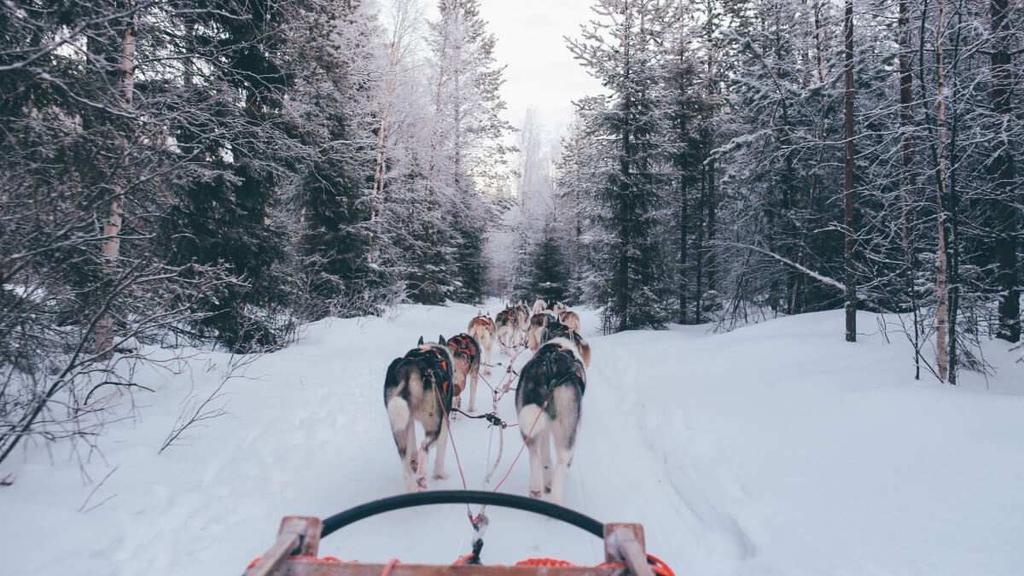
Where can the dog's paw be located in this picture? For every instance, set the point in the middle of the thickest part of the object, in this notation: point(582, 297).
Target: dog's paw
point(440, 475)
point(535, 494)
point(421, 484)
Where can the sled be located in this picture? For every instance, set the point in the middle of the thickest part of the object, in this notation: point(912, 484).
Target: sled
point(295, 552)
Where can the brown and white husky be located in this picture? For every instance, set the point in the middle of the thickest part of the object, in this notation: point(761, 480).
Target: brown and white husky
point(466, 354)
point(482, 329)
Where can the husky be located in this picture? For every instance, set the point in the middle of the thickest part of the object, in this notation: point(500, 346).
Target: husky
point(548, 405)
point(556, 329)
point(539, 305)
point(570, 319)
point(558, 308)
point(522, 314)
point(465, 352)
point(507, 329)
point(482, 329)
point(418, 388)
point(535, 330)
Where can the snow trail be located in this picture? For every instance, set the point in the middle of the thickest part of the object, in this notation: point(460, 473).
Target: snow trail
point(774, 449)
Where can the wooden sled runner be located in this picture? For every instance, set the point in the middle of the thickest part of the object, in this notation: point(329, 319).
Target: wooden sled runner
point(298, 541)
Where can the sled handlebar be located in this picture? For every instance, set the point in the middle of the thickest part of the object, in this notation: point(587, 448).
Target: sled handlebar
point(338, 521)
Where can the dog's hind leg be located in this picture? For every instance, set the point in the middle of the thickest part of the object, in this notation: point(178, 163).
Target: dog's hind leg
point(474, 379)
point(563, 431)
point(403, 428)
point(545, 458)
point(536, 467)
point(533, 426)
point(411, 460)
point(442, 451)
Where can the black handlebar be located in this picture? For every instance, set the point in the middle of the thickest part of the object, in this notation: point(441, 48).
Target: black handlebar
point(334, 523)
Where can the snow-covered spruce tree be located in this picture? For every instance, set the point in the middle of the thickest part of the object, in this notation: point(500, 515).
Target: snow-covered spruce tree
point(686, 117)
point(333, 50)
point(224, 195)
point(780, 124)
point(535, 213)
point(549, 273)
point(467, 150)
point(101, 139)
point(623, 48)
point(585, 162)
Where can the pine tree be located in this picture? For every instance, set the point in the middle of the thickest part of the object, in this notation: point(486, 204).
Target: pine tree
point(467, 143)
point(623, 51)
point(549, 277)
point(223, 199)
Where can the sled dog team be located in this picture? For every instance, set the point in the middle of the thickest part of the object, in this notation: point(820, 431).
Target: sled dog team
point(427, 383)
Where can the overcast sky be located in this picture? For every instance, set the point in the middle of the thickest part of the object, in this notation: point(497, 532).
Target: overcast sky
point(541, 72)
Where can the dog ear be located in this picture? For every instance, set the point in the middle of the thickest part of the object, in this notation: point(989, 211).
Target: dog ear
point(441, 340)
point(420, 343)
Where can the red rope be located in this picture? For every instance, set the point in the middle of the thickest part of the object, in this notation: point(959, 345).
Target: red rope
point(519, 454)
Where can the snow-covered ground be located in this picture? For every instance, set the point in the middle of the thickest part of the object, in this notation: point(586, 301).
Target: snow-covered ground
point(774, 449)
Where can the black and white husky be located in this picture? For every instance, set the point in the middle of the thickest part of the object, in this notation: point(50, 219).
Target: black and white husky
point(548, 403)
point(418, 388)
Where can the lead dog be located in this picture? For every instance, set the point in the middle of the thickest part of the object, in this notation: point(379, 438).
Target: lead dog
point(549, 405)
point(465, 352)
point(418, 388)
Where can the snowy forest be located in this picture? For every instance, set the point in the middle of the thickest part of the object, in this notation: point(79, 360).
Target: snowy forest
point(188, 189)
point(223, 173)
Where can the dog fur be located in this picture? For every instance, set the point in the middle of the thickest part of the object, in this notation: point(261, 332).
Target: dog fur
point(539, 306)
point(535, 330)
point(482, 329)
point(556, 329)
point(522, 314)
point(570, 319)
point(418, 388)
point(507, 329)
point(549, 406)
point(465, 353)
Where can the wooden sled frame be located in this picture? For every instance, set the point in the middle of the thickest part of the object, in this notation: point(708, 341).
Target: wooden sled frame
point(295, 551)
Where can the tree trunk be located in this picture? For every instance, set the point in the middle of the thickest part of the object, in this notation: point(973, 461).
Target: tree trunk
point(111, 247)
point(848, 192)
point(941, 169)
point(1003, 171)
point(683, 254)
point(909, 181)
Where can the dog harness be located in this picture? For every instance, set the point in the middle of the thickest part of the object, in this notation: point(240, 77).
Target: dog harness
point(463, 345)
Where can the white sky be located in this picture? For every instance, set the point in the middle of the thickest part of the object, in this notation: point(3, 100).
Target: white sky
point(541, 73)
